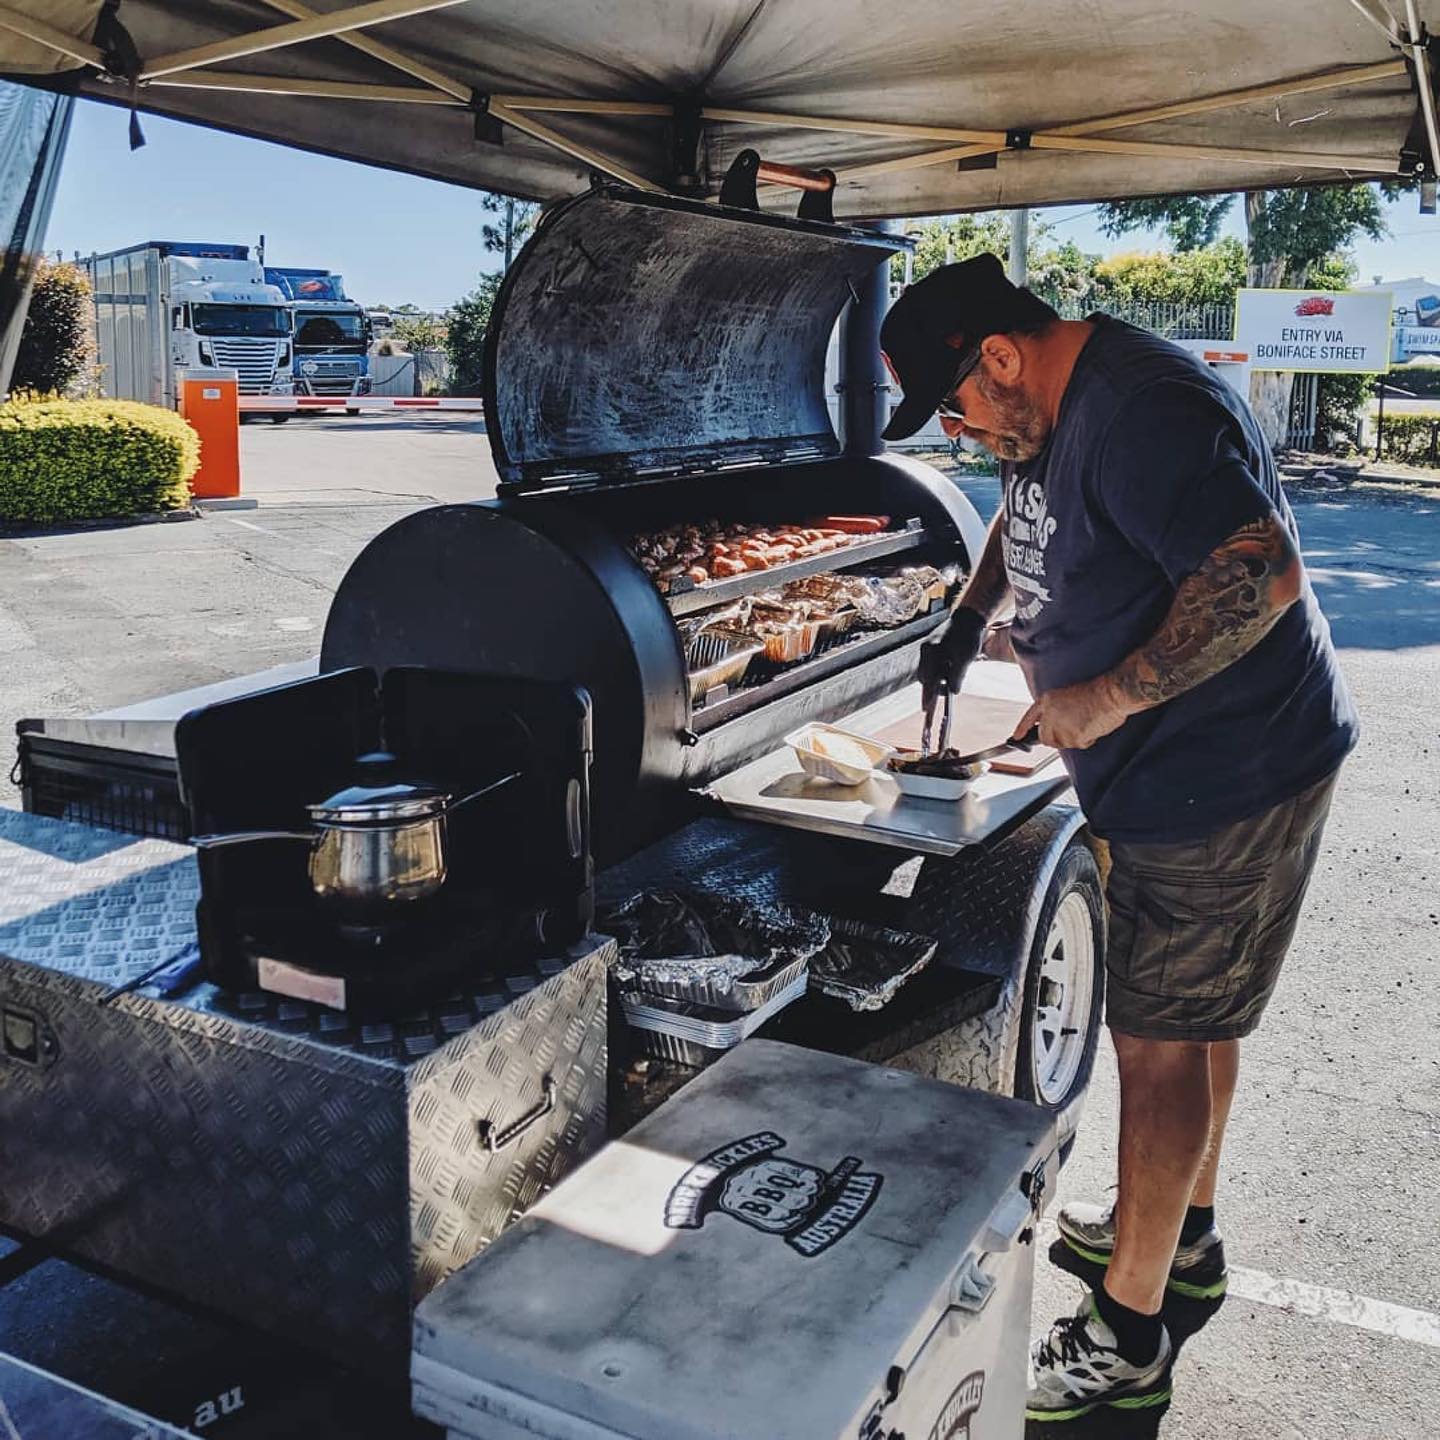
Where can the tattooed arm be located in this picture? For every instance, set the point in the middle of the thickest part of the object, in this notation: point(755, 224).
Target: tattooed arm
point(1219, 613)
point(988, 589)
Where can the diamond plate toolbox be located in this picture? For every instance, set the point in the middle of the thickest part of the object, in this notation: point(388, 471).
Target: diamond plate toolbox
point(271, 1159)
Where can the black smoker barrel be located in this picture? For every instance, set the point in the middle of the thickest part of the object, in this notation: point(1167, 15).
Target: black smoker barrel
point(652, 361)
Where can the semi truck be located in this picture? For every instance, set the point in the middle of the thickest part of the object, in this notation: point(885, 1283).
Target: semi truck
point(332, 332)
point(164, 305)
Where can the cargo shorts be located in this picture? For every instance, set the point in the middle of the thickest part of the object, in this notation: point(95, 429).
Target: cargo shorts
point(1198, 930)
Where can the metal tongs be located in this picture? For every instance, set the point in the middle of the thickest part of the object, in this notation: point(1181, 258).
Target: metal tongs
point(942, 693)
point(940, 690)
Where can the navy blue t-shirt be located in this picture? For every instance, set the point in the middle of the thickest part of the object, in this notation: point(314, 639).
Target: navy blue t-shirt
point(1154, 462)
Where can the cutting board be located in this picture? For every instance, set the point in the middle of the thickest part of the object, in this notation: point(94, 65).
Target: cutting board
point(976, 721)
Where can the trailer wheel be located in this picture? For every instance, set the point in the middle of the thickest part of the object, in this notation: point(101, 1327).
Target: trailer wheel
point(278, 419)
point(1064, 988)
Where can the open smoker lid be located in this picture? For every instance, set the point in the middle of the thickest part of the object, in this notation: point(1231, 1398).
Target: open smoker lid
point(641, 335)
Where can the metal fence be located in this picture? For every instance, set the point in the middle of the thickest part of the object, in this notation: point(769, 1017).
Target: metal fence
point(1304, 402)
point(421, 372)
point(1171, 318)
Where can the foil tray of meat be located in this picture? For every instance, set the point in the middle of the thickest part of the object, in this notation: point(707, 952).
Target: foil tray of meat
point(864, 965)
point(889, 601)
point(709, 949)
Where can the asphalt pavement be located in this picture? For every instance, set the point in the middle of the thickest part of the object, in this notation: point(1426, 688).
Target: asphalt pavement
point(1329, 1195)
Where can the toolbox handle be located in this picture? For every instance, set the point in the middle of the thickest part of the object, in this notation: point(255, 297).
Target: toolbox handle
point(496, 1138)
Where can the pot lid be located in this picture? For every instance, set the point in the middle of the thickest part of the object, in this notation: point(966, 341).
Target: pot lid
point(377, 797)
point(640, 335)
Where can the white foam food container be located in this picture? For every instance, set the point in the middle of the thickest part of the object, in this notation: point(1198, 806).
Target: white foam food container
point(931, 787)
point(821, 766)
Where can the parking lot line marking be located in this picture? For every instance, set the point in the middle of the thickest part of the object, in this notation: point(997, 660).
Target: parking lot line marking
point(249, 525)
point(1420, 1327)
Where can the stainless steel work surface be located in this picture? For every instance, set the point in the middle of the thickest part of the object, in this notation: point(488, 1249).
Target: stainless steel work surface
point(774, 789)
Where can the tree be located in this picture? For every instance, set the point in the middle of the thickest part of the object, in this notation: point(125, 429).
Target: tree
point(1191, 277)
point(1065, 277)
point(516, 220)
point(419, 332)
point(1062, 275)
point(465, 339)
point(1288, 233)
point(57, 344)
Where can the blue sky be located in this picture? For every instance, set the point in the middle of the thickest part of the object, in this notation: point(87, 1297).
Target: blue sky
point(396, 238)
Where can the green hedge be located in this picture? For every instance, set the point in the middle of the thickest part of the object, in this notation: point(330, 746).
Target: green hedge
point(1412, 439)
point(92, 459)
point(1420, 377)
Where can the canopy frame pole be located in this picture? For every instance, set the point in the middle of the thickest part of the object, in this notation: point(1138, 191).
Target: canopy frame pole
point(1082, 129)
point(1424, 81)
point(38, 32)
point(498, 107)
point(561, 106)
point(1378, 14)
point(915, 162)
point(857, 127)
point(284, 85)
point(378, 50)
point(1301, 85)
point(1317, 160)
point(538, 130)
point(297, 32)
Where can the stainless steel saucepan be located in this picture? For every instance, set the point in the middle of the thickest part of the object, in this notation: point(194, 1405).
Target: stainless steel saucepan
point(377, 844)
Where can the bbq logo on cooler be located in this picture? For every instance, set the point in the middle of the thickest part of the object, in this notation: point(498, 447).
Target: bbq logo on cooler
point(954, 1420)
point(748, 1180)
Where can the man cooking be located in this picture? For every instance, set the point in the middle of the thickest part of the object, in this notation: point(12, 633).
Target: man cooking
point(1179, 662)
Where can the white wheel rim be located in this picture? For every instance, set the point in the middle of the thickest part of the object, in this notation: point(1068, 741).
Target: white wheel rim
point(1063, 999)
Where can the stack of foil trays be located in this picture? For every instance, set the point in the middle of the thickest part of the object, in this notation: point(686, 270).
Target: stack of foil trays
point(699, 972)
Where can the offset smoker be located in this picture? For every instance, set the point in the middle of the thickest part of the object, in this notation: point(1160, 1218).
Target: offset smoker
point(655, 361)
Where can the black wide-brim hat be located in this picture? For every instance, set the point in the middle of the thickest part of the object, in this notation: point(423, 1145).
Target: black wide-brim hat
point(937, 325)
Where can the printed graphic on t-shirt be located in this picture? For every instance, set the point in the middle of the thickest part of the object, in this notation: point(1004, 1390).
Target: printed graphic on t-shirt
point(1027, 531)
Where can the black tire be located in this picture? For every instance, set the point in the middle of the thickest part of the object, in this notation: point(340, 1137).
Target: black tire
point(350, 411)
point(278, 419)
point(1077, 872)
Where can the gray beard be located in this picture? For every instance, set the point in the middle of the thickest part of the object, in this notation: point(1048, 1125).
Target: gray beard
point(1022, 430)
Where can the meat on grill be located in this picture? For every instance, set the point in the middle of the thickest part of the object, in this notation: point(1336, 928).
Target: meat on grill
point(714, 551)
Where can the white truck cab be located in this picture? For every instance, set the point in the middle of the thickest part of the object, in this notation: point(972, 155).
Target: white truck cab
point(165, 305)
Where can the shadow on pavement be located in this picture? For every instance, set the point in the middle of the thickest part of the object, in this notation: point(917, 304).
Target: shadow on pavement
point(1183, 1319)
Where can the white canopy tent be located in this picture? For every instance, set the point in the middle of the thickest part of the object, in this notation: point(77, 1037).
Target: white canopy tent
point(919, 107)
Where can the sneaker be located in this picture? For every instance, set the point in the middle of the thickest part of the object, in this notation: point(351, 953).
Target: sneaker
point(1197, 1272)
point(1076, 1369)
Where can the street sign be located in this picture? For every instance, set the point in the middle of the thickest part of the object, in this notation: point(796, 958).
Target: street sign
point(1323, 331)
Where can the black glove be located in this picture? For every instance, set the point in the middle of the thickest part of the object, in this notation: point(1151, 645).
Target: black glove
point(950, 656)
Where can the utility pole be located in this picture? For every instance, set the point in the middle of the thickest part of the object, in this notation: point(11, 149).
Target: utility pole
point(1019, 267)
point(509, 229)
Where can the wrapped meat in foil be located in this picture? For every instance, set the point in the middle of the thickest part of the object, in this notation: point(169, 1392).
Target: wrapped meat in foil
point(864, 965)
point(711, 948)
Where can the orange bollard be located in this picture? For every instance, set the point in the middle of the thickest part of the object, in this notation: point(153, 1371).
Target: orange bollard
point(210, 403)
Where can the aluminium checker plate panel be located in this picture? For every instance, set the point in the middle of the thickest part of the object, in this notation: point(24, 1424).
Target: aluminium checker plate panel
point(268, 1158)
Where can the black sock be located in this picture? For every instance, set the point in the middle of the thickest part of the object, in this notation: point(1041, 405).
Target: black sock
point(1137, 1336)
point(1198, 1219)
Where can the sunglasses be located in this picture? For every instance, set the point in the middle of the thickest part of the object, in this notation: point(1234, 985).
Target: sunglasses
point(947, 409)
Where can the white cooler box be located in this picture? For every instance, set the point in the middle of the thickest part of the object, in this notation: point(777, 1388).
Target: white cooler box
point(796, 1247)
